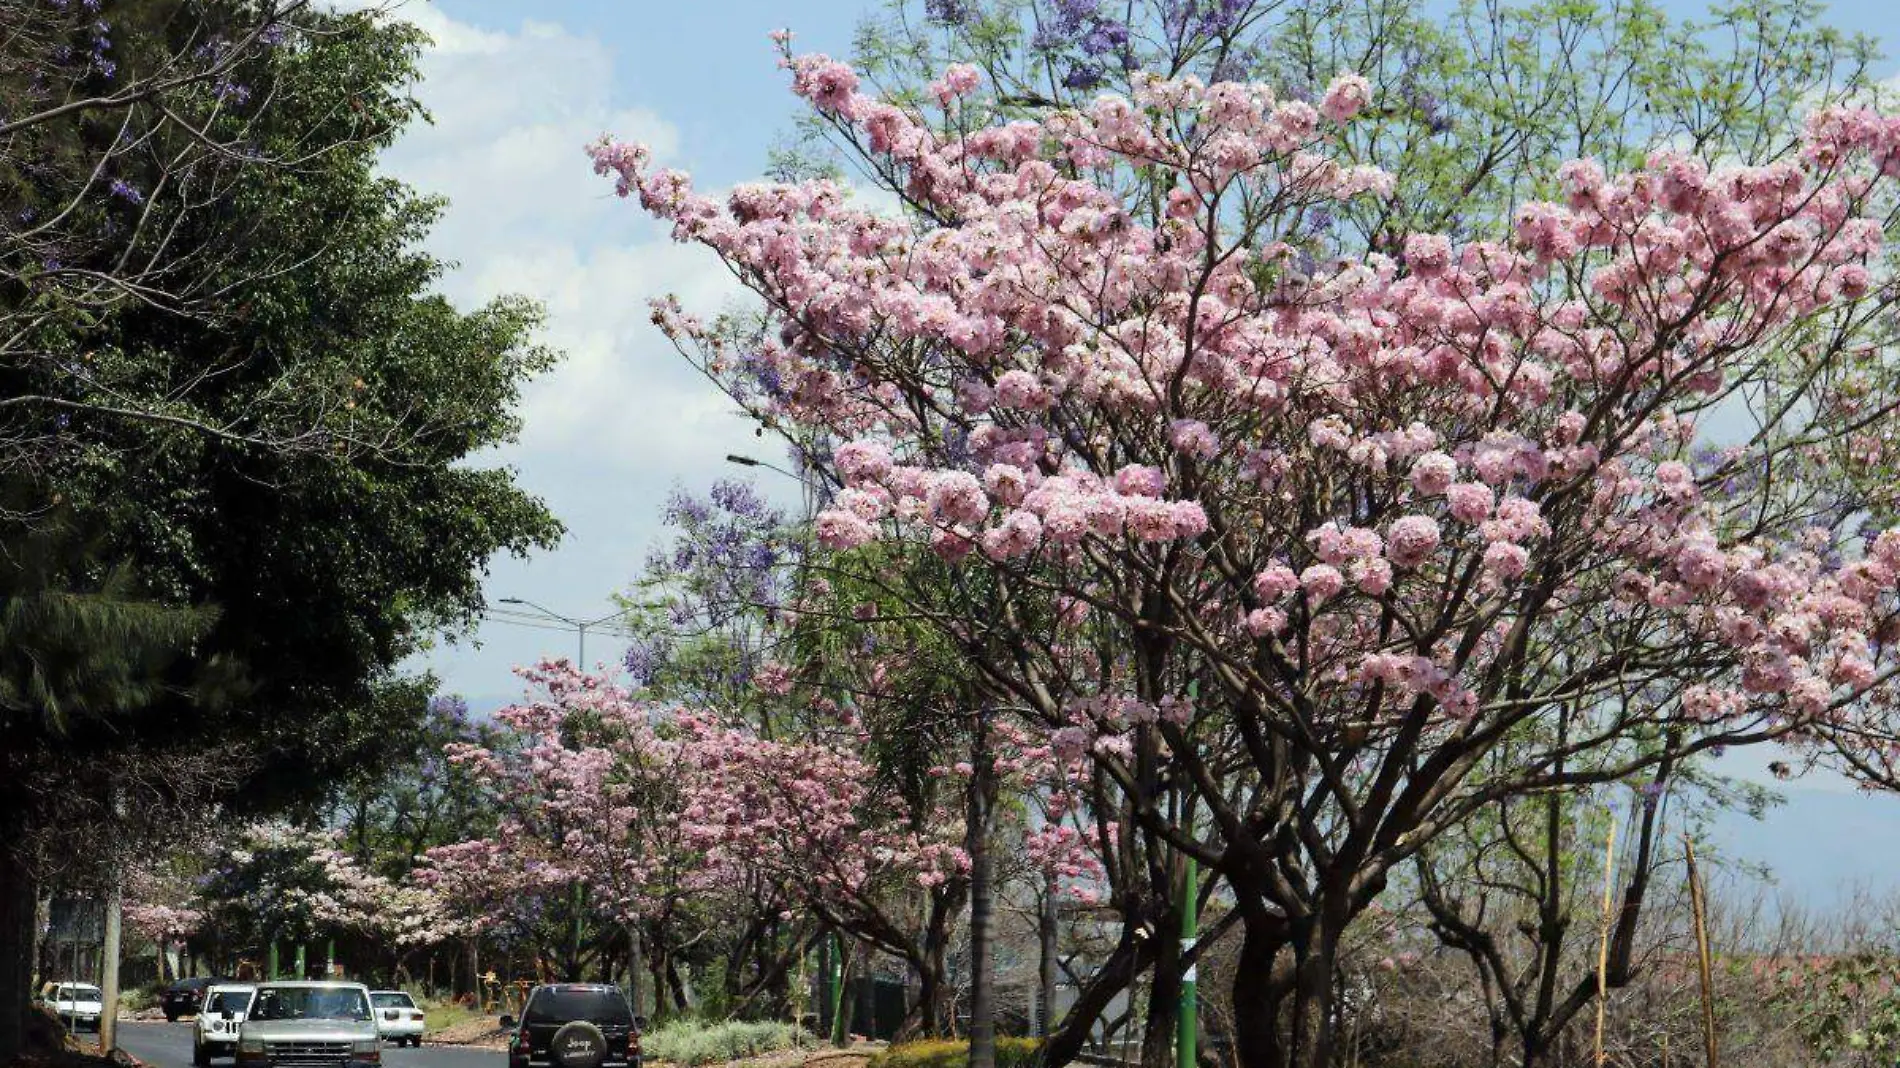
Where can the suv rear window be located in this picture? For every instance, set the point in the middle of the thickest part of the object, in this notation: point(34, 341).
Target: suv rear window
point(558, 1005)
point(228, 1001)
point(392, 1001)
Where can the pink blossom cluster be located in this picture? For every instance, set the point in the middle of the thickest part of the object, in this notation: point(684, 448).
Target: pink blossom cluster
point(1087, 390)
point(589, 788)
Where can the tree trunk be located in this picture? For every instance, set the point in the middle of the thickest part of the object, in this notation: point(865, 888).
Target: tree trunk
point(475, 973)
point(19, 904)
point(656, 971)
point(982, 934)
point(1258, 997)
point(931, 982)
point(1131, 955)
point(633, 968)
point(574, 943)
point(1312, 1025)
point(1164, 996)
point(677, 985)
point(844, 1002)
point(109, 969)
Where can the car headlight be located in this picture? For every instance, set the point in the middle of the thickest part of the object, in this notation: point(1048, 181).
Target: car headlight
point(365, 1047)
point(250, 1045)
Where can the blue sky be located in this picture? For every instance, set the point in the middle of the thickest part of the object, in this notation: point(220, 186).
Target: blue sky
point(516, 88)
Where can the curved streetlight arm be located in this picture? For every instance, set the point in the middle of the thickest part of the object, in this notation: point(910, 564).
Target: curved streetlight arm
point(580, 625)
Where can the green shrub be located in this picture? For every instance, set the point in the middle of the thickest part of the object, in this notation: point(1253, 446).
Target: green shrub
point(693, 1042)
point(945, 1053)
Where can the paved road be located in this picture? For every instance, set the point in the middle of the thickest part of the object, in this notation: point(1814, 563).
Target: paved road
point(168, 1045)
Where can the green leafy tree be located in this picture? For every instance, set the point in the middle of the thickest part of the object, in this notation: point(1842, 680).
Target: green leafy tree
point(291, 446)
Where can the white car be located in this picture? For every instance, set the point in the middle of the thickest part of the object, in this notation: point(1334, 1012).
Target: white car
point(398, 1019)
point(215, 1034)
point(77, 1005)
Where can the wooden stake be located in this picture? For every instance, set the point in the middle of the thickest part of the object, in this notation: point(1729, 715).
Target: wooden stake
point(1705, 965)
point(1603, 944)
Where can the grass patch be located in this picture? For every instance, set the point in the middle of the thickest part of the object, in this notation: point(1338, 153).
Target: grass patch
point(945, 1053)
point(692, 1042)
point(439, 1015)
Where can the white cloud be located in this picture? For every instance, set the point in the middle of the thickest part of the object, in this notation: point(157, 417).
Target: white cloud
point(623, 418)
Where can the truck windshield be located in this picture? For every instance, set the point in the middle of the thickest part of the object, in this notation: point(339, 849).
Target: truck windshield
point(309, 1003)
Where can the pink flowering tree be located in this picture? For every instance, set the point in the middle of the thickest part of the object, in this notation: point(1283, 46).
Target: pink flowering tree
point(742, 622)
point(276, 882)
point(161, 911)
point(1384, 513)
point(589, 786)
point(864, 675)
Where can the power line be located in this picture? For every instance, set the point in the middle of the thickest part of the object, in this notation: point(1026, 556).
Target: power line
point(541, 623)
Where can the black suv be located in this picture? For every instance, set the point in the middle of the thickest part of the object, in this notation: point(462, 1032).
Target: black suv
point(574, 1025)
point(186, 996)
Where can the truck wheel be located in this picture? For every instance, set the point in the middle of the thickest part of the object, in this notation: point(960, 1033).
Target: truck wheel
point(200, 1055)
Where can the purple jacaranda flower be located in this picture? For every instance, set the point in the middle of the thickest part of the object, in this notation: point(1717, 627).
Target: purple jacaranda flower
point(1071, 14)
point(947, 12)
point(127, 192)
point(1105, 37)
point(645, 658)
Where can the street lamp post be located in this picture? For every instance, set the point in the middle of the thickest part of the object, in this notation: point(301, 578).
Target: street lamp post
point(580, 625)
point(579, 890)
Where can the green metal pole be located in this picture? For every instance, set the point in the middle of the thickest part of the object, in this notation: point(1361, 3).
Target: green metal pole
point(838, 1035)
point(329, 959)
point(270, 962)
point(303, 968)
point(1190, 997)
point(1190, 1014)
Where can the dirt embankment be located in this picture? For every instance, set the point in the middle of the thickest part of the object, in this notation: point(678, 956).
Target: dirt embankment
point(49, 1046)
point(482, 1032)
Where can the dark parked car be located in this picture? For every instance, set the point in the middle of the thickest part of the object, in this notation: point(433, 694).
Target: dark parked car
point(186, 996)
point(575, 1025)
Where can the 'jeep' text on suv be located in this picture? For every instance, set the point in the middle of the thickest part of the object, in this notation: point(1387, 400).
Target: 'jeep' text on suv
point(309, 1025)
point(574, 1025)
